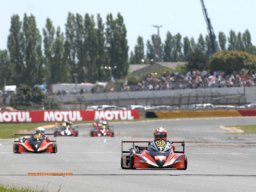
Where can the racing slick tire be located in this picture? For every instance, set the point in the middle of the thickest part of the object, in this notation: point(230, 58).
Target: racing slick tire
point(15, 148)
point(76, 134)
point(55, 133)
point(131, 162)
point(130, 165)
point(122, 164)
point(185, 163)
point(55, 149)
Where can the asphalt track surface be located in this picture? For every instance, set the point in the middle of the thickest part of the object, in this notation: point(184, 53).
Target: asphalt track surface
point(217, 160)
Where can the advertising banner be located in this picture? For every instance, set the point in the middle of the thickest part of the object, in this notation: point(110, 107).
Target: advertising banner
point(71, 115)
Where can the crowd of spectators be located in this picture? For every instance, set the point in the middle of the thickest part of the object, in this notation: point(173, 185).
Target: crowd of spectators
point(193, 79)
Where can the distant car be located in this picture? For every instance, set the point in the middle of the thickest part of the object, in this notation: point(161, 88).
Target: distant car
point(139, 156)
point(250, 106)
point(101, 131)
point(29, 143)
point(61, 130)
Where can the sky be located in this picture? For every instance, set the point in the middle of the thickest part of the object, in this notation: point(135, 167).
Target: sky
point(177, 16)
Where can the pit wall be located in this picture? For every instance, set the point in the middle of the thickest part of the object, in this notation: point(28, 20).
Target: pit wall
point(64, 115)
point(199, 113)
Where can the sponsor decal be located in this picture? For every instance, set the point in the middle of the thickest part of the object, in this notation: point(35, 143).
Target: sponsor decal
point(62, 116)
point(160, 158)
point(114, 115)
point(71, 115)
point(17, 116)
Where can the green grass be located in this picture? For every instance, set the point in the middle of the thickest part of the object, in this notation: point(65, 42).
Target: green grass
point(8, 130)
point(4, 188)
point(250, 129)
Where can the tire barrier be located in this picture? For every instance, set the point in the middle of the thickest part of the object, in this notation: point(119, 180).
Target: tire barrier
point(199, 113)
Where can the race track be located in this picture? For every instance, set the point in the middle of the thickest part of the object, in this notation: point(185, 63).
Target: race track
point(217, 160)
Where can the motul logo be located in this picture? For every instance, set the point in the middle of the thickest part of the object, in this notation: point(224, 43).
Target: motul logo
point(62, 116)
point(160, 158)
point(114, 115)
point(19, 116)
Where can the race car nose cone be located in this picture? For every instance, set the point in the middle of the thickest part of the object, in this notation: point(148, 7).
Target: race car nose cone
point(160, 163)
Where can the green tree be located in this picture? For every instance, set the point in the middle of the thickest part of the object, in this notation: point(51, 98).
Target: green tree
point(247, 40)
point(139, 51)
point(15, 48)
point(222, 41)
point(168, 47)
point(177, 52)
point(117, 47)
point(5, 68)
point(187, 49)
point(33, 63)
point(31, 98)
point(132, 58)
point(59, 68)
point(201, 44)
point(101, 50)
point(232, 39)
point(91, 52)
point(82, 53)
point(239, 42)
point(150, 52)
point(49, 37)
point(232, 61)
point(71, 47)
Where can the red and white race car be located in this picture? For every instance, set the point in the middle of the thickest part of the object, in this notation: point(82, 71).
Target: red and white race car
point(63, 131)
point(101, 130)
point(33, 143)
point(139, 156)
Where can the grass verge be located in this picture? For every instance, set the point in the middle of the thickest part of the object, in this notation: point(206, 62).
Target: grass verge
point(7, 130)
point(4, 188)
point(249, 129)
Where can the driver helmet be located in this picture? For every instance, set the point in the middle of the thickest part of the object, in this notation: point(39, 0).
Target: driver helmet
point(68, 123)
point(160, 134)
point(104, 124)
point(40, 130)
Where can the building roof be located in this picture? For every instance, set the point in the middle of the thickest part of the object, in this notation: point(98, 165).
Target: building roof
point(143, 69)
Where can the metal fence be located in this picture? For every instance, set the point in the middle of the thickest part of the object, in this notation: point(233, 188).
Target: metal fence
point(182, 97)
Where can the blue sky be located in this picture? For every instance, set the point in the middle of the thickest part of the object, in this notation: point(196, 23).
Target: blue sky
point(183, 16)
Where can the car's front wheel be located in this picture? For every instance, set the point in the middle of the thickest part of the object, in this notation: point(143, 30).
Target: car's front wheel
point(55, 149)
point(15, 148)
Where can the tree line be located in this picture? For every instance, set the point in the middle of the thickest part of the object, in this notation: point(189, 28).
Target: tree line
point(196, 52)
point(89, 50)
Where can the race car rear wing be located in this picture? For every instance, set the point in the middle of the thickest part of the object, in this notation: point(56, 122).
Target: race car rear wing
point(179, 146)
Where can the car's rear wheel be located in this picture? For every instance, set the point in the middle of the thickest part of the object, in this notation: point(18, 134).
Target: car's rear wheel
point(131, 162)
point(122, 163)
point(185, 163)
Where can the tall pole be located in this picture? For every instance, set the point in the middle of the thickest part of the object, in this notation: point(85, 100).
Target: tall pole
point(158, 29)
point(159, 42)
point(210, 29)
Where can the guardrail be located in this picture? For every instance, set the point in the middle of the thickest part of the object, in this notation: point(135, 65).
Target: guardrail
point(180, 97)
